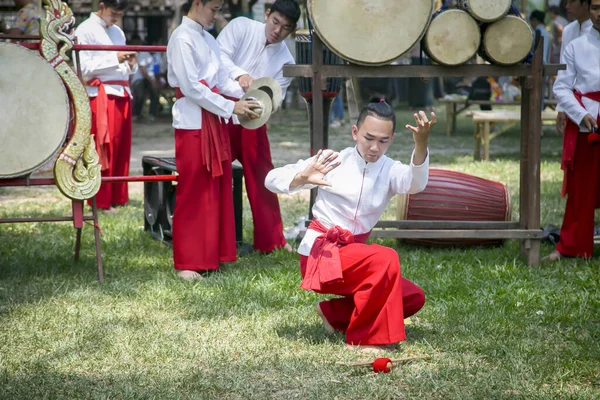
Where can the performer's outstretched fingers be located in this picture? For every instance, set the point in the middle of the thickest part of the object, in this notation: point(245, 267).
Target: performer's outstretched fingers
point(412, 128)
point(424, 117)
point(433, 118)
point(332, 167)
point(417, 120)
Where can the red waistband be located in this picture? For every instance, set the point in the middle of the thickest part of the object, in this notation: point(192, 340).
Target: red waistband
point(102, 133)
point(323, 264)
point(215, 140)
point(570, 137)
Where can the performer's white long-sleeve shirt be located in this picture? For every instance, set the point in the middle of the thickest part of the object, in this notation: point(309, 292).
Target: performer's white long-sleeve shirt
point(571, 32)
point(244, 50)
point(582, 57)
point(103, 65)
point(359, 191)
point(194, 55)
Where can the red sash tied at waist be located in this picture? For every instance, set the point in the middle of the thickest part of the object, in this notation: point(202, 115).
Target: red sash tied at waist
point(570, 137)
point(323, 264)
point(215, 147)
point(102, 133)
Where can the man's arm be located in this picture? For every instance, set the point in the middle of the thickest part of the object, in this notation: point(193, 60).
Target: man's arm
point(97, 62)
point(564, 85)
point(229, 41)
point(292, 178)
point(185, 70)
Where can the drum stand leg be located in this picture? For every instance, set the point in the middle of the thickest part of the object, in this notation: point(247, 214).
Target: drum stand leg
point(77, 244)
point(77, 208)
point(449, 119)
point(477, 134)
point(78, 218)
point(97, 240)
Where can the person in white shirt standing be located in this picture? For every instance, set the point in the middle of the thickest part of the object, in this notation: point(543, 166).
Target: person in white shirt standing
point(203, 220)
point(355, 187)
point(252, 50)
point(578, 11)
point(107, 78)
point(578, 92)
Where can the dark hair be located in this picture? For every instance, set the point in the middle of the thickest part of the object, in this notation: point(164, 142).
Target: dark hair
point(538, 15)
point(288, 8)
point(380, 109)
point(115, 4)
point(186, 7)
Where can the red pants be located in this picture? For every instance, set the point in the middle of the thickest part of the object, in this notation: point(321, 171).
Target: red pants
point(251, 148)
point(119, 127)
point(203, 221)
point(583, 196)
point(376, 296)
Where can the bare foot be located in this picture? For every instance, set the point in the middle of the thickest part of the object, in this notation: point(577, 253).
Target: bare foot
point(109, 211)
point(554, 256)
point(189, 275)
point(288, 247)
point(326, 325)
point(371, 348)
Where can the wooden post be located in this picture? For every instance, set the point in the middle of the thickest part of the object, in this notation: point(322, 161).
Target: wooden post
point(526, 85)
point(534, 151)
point(531, 130)
point(318, 138)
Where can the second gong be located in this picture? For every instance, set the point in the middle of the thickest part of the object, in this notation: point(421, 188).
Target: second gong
point(370, 32)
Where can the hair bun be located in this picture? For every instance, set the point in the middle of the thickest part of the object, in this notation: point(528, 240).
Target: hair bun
point(377, 99)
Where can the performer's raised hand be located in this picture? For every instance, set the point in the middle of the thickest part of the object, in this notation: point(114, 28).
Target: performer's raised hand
point(421, 131)
point(313, 174)
point(421, 135)
point(245, 81)
point(246, 107)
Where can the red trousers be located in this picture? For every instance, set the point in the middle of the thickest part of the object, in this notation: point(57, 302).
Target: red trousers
point(376, 296)
point(583, 197)
point(119, 126)
point(251, 148)
point(203, 221)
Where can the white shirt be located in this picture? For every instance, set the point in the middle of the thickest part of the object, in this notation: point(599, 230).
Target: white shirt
point(193, 55)
point(571, 32)
point(359, 191)
point(146, 60)
point(103, 65)
point(582, 57)
point(244, 50)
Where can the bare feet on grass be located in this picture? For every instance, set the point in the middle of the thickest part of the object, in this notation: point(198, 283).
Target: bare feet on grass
point(288, 247)
point(189, 275)
point(372, 348)
point(326, 325)
point(554, 256)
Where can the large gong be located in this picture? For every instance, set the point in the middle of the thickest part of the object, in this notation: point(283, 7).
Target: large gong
point(370, 32)
point(34, 111)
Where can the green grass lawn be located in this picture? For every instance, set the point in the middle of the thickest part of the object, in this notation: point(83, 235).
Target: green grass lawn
point(493, 327)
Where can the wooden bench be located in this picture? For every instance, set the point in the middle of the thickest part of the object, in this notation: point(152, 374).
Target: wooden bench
point(483, 121)
point(455, 106)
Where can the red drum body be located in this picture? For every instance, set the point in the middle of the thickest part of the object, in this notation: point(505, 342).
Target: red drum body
point(455, 196)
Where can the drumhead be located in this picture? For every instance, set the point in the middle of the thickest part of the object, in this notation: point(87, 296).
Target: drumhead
point(452, 38)
point(370, 32)
point(34, 110)
point(486, 10)
point(508, 41)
